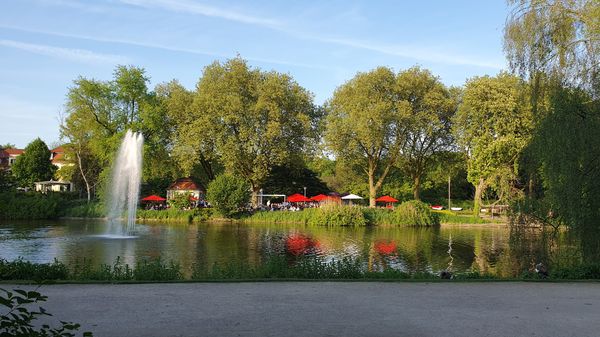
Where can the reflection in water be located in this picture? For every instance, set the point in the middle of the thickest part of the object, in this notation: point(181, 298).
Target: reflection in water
point(491, 249)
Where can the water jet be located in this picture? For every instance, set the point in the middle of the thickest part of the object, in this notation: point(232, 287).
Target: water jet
point(125, 185)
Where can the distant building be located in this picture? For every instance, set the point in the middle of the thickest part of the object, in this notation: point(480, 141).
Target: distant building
point(53, 186)
point(57, 157)
point(186, 186)
point(9, 156)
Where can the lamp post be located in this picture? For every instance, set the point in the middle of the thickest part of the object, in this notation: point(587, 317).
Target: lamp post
point(305, 191)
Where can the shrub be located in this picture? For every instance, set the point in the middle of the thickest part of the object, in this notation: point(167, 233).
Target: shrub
point(155, 270)
point(25, 270)
point(415, 213)
point(180, 201)
point(83, 209)
point(30, 205)
point(227, 194)
point(18, 319)
point(196, 214)
point(337, 215)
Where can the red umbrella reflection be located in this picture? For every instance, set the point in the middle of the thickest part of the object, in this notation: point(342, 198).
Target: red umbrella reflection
point(298, 244)
point(386, 248)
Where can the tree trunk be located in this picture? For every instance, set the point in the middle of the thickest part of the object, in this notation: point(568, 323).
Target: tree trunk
point(255, 190)
point(417, 188)
point(372, 190)
point(530, 187)
point(478, 194)
point(87, 184)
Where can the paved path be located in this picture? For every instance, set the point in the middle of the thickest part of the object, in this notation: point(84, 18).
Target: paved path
point(330, 309)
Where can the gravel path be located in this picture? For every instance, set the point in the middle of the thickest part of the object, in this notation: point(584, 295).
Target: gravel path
point(330, 309)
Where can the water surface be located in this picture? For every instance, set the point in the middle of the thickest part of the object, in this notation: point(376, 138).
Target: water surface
point(490, 248)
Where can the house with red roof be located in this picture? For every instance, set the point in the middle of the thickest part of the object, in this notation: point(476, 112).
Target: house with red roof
point(9, 156)
point(186, 186)
point(57, 157)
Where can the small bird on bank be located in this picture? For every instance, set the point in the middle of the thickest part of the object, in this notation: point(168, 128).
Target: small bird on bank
point(541, 270)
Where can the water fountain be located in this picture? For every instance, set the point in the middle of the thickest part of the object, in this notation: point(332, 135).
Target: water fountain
point(125, 185)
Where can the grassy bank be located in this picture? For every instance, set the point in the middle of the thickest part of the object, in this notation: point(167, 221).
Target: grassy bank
point(194, 215)
point(16, 205)
point(410, 213)
point(275, 267)
point(450, 217)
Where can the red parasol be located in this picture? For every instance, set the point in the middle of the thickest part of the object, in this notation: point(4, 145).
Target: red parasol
point(297, 198)
point(319, 197)
point(386, 248)
point(386, 198)
point(154, 197)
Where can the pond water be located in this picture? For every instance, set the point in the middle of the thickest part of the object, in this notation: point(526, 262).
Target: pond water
point(490, 248)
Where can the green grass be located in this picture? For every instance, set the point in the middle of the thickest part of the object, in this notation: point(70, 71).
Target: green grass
point(451, 217)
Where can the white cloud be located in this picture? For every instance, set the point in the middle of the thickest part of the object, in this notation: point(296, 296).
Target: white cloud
point(69, 54)
point(184, 6)
point(416, 53)
point(163, 47)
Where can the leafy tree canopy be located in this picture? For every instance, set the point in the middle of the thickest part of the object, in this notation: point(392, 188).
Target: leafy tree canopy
point(249, 119)
point(494, 124)
point(365, 125)
point(34, 164)
point(227, 194)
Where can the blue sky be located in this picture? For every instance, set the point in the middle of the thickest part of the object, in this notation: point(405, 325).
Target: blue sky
point(46, 44)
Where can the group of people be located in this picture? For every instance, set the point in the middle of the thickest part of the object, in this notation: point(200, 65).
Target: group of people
point(288, 206)
point(161, 206)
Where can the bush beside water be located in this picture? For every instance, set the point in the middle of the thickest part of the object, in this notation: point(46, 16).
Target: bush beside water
point(337, 215)
point(274, 267)
point(410, 213)
point(15, 205)
point(145, 270)
point(83, 209)
point(415, 213)
point(171, 214)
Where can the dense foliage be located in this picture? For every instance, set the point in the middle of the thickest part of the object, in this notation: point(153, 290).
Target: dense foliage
point(228, 194)
point(337, 215)
point(33, 165)
point(248, 119)
point(415, 213)
point(553, 44)
point(14, 205)
point(493, 125)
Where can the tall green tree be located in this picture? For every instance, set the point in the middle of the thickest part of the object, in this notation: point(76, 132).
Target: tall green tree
point(98, 113)
point(493, 124)
point(34, 164)
point(366, 127)
point(428, 119)
point(555, 40)
point(555, 44)
point(192, 150)
point(253, 120)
